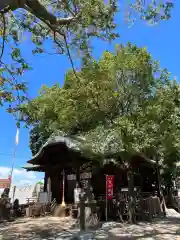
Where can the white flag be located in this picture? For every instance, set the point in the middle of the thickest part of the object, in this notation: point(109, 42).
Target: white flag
point(17, 136)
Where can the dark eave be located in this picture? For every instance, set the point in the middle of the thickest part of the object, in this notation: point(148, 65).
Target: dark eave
point(35, 168)
point(73, 145)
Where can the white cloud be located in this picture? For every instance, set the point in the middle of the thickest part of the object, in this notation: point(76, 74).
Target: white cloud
point(20, 176)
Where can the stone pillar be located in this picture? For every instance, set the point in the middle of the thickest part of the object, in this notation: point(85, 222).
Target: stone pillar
point(82, 198)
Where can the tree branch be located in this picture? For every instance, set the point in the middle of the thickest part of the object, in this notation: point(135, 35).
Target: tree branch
point(37, 9)
point(13, 77)
point(3, 40)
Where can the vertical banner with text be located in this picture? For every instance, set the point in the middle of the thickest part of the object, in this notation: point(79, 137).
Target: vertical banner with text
point(109, 186)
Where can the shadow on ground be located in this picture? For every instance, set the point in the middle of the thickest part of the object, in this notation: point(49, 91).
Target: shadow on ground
point(37, 229)
point(157, 230)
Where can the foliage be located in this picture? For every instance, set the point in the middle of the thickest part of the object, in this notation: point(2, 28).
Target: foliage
point(105, 93)
point(69, 25)
point(104, 89)
point(153, 130)
point(123, 103)
point(166, 129)
point(38, 136)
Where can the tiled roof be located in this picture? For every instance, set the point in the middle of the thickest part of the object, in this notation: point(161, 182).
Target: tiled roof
point(4, 180)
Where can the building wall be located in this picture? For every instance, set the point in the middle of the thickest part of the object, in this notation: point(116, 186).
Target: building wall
point(4, 183)
point(22, 193)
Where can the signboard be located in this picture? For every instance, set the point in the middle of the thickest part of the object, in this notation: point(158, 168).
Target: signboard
point(84, 178)
point(109, 186)
point(77, 192)
point(71, 177)
point(43, 197)
point(84, 175)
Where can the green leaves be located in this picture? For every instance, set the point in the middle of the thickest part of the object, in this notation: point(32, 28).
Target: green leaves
point(111, 93)
point(122, 104)
point(153, 12)
point(16, 54)
point(69, 25)
point(2, 70)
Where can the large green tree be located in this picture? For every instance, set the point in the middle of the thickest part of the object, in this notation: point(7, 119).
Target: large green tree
point(118, 105)
point(116, 86)
point(69, 25)
point(153, 129)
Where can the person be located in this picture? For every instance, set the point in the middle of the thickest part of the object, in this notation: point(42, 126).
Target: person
point(5, 193)
point(16, 208)
point(5, 204)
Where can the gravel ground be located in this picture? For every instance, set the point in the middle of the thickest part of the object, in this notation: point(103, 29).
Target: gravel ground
point(49, 228)
point(45, 228)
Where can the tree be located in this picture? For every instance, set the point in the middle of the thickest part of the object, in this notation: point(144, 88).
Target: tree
point(114, 106)
point(70, 25)
point(166, 130)
point(153, 130)
point(38, 136)
point(115, 87)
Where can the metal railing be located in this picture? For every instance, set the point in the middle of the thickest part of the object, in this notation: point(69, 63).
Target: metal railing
point(53, 205)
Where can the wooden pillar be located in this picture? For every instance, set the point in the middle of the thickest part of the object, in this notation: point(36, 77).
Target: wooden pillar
point(160, 192)
point(45, 181)
point(158, 180)
point(78, 174)
point(63, 189)
point(131, 210)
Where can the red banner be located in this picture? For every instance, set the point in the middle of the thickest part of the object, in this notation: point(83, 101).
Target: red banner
point(109, 186)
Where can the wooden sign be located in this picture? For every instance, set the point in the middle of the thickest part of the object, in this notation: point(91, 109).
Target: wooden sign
point(77, 192)
point(85, 175)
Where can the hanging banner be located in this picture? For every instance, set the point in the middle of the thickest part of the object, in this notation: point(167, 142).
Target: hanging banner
point(109, 186)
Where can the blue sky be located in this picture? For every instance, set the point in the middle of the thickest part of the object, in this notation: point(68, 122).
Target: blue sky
point(162, 41)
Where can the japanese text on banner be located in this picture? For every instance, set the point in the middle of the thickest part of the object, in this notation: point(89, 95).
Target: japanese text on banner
point(109, 186)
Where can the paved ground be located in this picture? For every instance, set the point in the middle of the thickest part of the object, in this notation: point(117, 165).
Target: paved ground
point(169, 229)
point(63, 228)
